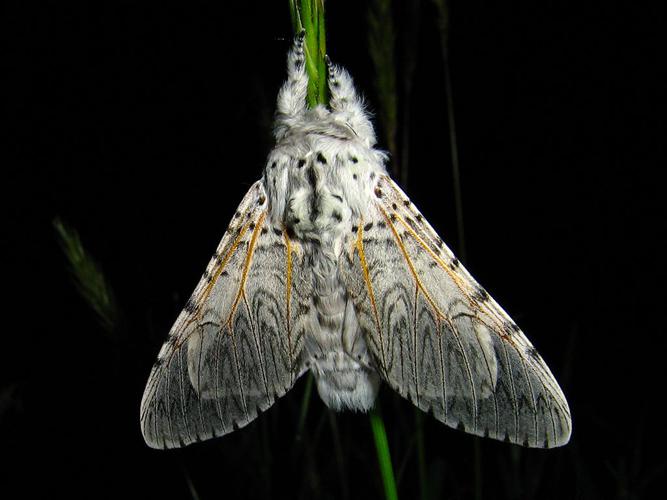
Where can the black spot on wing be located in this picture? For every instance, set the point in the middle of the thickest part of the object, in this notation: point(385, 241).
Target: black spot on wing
point(532, 352)
point(481, 295)
point(190, 306)
point(320, 158)
point(290, 230)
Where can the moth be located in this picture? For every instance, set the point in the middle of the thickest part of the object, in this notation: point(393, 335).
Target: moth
point(327, 266)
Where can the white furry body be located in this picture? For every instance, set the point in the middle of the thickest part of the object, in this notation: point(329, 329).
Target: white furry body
point(316, 190)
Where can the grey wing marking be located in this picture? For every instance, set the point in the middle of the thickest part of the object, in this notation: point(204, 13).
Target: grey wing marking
point(439, 339)
point(236, 346)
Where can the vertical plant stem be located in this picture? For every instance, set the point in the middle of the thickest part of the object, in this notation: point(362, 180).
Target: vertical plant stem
point(381, 42)
point(421, 454)
point(308, 16)
point(305, 403)
point(410, 31)
point(340, 458)
point(188, 480)
point(384, 458)
point(443, 27)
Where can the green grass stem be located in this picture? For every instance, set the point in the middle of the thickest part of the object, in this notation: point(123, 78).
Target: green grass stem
point(384, 458)
point(308, 16)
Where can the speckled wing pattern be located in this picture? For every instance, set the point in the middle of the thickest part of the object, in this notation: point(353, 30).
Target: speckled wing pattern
point(438, 338)
point(236, 346)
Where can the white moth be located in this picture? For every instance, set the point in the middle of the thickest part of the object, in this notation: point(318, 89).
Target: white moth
point(327, 266)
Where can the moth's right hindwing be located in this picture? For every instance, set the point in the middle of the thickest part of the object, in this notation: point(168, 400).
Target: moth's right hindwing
point(236, 346)
point(438, 338)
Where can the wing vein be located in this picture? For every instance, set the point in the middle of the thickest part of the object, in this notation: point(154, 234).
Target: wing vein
point(369, 285)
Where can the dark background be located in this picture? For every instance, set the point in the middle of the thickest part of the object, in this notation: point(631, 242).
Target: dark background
point(142, 124)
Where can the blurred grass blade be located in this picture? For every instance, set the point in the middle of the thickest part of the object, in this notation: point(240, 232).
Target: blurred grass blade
point(305, 403)
point(88, 277)
point(384, 458)
point(381, 41)
point(421, 454)
point(406, 77)
point(308, 15)
point(340, 457)
point(191, 486)
point(443, 22)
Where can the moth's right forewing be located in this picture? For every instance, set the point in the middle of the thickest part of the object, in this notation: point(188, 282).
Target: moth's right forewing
point(438, 338)
point(236, 346)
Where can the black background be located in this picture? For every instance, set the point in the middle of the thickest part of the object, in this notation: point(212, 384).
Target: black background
point(143, 123)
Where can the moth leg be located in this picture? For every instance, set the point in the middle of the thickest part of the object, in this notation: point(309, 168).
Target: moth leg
point(345, 102)
point(291, 103)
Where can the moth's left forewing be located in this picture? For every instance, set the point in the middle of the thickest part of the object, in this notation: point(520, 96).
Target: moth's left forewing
point(438, 338)
point(236, 347)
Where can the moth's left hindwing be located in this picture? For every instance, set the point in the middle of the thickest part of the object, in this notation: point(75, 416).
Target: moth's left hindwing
point(438, 338)
point(236, 346)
